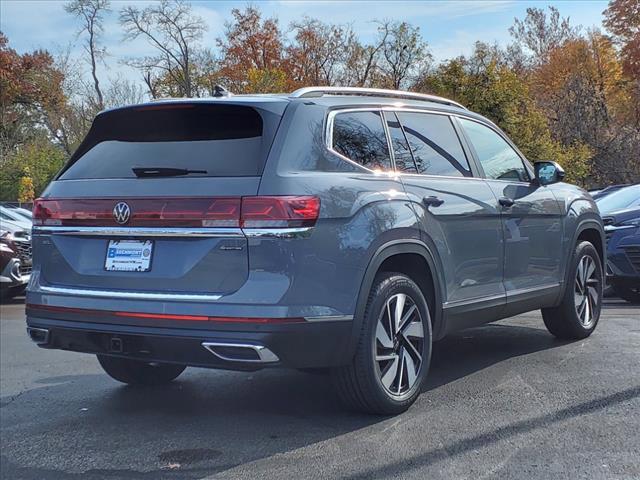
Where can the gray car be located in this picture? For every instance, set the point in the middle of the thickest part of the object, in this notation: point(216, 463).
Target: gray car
point(335, 229)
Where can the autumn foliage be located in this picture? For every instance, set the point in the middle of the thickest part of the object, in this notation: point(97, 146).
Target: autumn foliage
point(561, 92)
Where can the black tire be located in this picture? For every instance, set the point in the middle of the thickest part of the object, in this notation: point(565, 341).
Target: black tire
point(360, 384)
point(136, 372)
point(630, 294)
point(564, 321)
point(8, 293)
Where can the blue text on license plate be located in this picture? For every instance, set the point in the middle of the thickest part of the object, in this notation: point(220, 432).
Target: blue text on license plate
point(129, 255)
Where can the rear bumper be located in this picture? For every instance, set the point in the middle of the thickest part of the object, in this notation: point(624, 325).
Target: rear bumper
point(11, 276)
point(620, 268)
point(299, 345)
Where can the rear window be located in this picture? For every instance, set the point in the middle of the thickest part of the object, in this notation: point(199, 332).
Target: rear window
point(214, 140)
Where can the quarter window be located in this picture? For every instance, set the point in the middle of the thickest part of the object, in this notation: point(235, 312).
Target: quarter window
point(498, 159)
point(360, 137)
point(435, 145)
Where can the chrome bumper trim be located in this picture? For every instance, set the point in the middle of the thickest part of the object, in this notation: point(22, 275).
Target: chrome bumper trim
point(180, 297)
point(213, 232)
point(264, 354)
point(39, 336)
point(330, 318)
point(138, 232)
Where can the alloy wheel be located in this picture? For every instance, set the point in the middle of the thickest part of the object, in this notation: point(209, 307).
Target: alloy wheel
point(399, 344)
point(587, 291)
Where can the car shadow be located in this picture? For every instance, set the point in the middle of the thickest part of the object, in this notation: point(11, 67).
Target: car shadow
point(466, 352)
point(208, 421)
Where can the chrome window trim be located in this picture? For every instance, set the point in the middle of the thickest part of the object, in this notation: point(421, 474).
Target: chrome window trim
point(431, 112)
point(138, 232)
point(525, 161)
point(130, 295)
point(328, 140)
point(329, 134)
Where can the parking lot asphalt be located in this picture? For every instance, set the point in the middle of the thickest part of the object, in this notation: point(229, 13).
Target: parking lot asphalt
point(503, 401)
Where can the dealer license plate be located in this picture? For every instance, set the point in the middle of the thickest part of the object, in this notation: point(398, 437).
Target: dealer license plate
point(129, 256)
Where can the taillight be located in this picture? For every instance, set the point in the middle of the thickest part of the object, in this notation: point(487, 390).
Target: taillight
point(139, 212)
point(246, 212)
point(278, 212)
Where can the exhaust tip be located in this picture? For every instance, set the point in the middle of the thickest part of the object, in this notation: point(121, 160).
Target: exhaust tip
point(39, 336)
point(241, 352)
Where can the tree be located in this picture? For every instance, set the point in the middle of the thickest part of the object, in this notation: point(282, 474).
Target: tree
point(26, 191)
point(31, 92)
point(249, 43)
point(485, 84)
point(271, 80)
point(123, 92)
point(318, 52)
point(404, 55)
point(586, 98)
point(622, 19)
point(172, 29)
point(39, 157)
point(91, 13)
point(361, 64)
point(540, 33)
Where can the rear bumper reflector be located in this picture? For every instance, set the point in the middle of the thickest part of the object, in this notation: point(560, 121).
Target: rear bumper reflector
point(163, 316)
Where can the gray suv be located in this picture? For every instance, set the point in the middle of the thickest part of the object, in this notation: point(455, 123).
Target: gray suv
point(335, 229)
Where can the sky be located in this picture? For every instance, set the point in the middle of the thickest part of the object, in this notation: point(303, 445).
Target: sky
point(450, 27)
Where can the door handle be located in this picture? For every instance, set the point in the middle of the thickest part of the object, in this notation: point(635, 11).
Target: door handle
point(506, 202)
point(432, 201)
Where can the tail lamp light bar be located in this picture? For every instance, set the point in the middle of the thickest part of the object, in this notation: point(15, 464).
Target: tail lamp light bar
point(243, 212)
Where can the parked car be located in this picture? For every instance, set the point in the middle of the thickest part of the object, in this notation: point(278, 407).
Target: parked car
point(22, 211)
point(15, 259)
point(603, 192)
point(621, 216)
point(331, 228)
point(11, 215)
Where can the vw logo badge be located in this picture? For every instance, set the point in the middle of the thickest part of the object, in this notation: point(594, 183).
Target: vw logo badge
point(121, 213)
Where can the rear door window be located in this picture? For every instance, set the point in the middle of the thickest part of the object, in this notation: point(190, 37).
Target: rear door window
point(360, 137)
point(401, 151)
point(214, 140)
point(435, 144)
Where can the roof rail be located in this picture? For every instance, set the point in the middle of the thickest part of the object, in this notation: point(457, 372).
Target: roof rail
point(311, 92)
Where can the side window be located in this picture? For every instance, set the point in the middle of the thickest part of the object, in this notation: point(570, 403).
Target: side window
point(435, 144)
point(498, 159)
point(360, 137)
point(400, 146)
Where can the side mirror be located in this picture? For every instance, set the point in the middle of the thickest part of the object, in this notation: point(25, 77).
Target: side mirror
point(548, 173)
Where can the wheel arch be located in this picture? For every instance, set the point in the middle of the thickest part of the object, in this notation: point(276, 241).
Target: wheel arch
point(401, 255)
point(591, 230)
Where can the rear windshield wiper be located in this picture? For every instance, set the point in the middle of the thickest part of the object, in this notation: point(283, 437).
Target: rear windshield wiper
point(163, 171)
